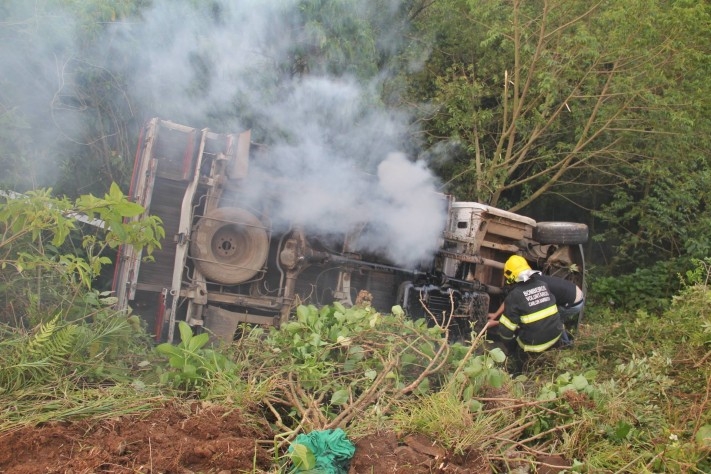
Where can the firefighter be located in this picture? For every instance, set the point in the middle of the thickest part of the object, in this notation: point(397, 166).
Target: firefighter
point(528, 321)
point(568, 296)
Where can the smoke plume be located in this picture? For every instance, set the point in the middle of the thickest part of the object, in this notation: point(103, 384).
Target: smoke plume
point(336, 152)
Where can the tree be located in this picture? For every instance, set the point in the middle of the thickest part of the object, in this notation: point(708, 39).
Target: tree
point(528, 97)
point(662, 211)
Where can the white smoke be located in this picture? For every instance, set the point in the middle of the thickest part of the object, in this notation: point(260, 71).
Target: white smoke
point(335, 152)
point(416, 213)
point(37, 48)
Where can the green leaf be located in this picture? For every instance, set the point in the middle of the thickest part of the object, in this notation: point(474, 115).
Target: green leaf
point(302, 457)
point(196, 342)
point(168, 349)
point(427, 349)
point(547, 394)
point(302, 313)
point(116, 226)
point(563, 379)
point(496, 378)
point(292, 326)
point(621, 431)
point(475, 406)
point(423, 387)
point(186, 332)
point(340, 397)
point(177, 361)
point(468, 392)
point(579, 382)
point(128, 209)
point(356, 352)
point(498, 355)
point(115, 193)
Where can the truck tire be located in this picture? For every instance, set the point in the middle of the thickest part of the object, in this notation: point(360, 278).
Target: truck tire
point(564, 233)
point(229, 245)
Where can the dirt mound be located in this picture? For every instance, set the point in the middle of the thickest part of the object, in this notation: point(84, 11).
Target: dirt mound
point(169, 440)
point(384, 452)
point(200, 439)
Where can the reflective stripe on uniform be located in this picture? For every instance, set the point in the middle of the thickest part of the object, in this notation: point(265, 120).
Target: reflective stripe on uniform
point(538, 315)
point(538, 347)
point(508, 323)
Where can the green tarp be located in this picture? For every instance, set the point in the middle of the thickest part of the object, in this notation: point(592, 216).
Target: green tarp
point(331, 449)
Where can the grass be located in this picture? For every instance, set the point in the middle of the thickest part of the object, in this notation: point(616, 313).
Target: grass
point(41, 404)
point(613, 403)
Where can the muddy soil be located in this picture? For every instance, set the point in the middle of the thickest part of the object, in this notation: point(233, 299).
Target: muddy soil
point(200, 439)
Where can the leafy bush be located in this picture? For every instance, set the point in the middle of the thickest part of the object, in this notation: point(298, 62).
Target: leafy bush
point(630, 396)
point(649, 289)
point(41, 273)
point(57, 331)
point(335, 365)
point(692, 306)
point(650, 372)
point(195, 368)
point(100, 348)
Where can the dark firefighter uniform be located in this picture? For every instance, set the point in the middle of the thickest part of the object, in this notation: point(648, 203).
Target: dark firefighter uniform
point(568, 296)
point(531, 316)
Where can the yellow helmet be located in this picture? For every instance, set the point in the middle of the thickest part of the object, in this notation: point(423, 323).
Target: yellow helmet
point(513, 268)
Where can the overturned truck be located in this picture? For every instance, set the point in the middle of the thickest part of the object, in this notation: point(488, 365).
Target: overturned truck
point(228, 260)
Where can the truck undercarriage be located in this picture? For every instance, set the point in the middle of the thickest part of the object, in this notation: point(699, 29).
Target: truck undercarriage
point(229, 259)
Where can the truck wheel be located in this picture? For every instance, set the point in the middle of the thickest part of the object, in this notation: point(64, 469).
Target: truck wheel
point(564, 233)
point(229, 245)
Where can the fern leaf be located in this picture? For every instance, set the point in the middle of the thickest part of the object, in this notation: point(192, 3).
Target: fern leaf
point(36, 347)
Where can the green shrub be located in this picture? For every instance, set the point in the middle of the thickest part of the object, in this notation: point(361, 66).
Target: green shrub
point(193, 367)
point(650, 289)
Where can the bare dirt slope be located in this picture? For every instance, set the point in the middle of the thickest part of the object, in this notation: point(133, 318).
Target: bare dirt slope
point(201, 439)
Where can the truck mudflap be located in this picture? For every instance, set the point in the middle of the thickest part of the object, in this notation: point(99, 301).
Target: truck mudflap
point(222, 324)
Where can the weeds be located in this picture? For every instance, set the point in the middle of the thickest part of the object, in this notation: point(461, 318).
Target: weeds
point(632, 395)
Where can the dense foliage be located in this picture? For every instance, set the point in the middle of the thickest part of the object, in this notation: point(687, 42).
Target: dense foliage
point(566, 110)
point(631, 395)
